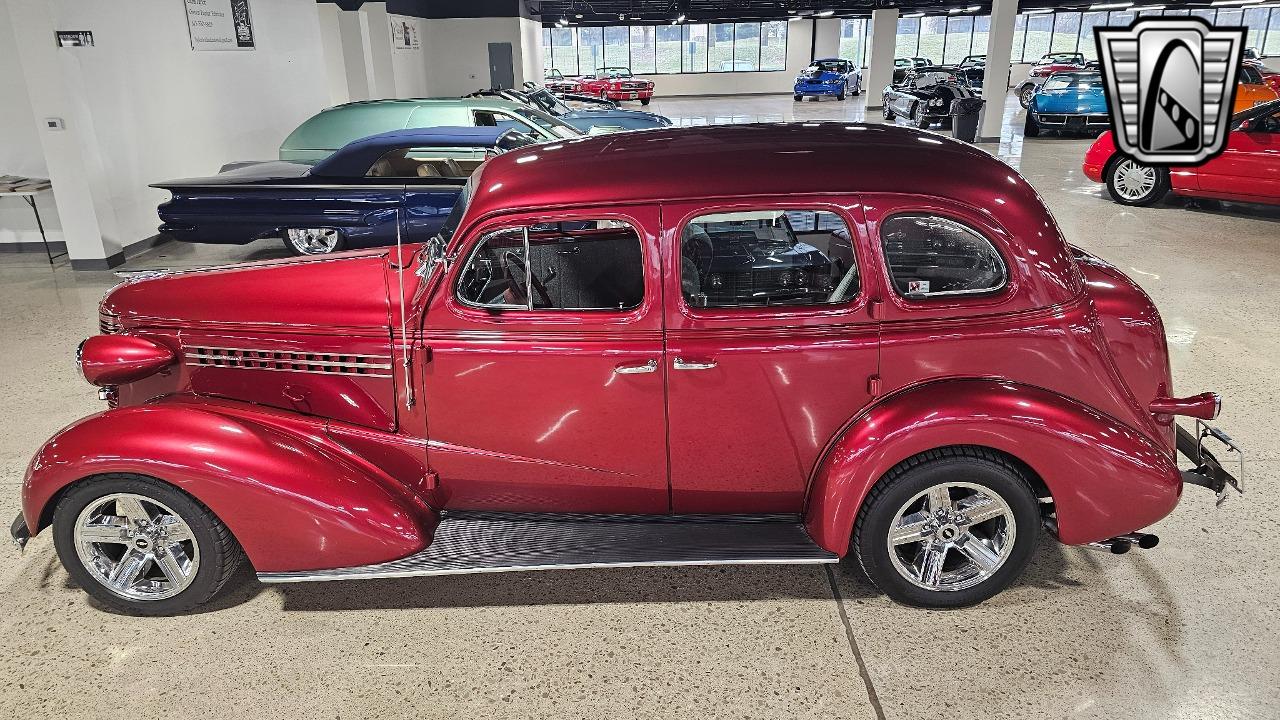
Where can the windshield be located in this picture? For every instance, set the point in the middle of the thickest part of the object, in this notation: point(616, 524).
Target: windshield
point(460, 207)
point(552, 125)
point(619, 72)
point(1061, 58)
point(546, 102)
point(1080, 81)
point(552, 75)
point(828, 66)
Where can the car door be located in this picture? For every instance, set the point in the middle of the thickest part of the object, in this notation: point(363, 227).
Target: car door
point(1249, 167)
point(543, 382)
point(430, 181)
point(770, 348)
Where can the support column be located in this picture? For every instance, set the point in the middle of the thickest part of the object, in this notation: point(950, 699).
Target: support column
point(826, 38)
point(995, 79)
point(884, 39)
point(351, 37)
point(335, 63)
point(72, 154)
point(375, 25)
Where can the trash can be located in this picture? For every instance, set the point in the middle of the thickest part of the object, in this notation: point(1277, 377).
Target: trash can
point(964, 118)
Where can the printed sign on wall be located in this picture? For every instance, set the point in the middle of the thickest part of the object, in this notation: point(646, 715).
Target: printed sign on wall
point(404, 33)
point(219, 24)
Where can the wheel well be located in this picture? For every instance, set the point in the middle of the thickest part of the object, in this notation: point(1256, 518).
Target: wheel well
point(46, 513)
point(1033, 478)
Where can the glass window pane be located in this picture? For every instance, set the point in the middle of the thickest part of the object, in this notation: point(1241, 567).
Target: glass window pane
point(981, 27)
point(668, 48)
point(1066, 32)
point(1088, 22)
point(590, 48)
point(643, 49)
point(1038, 30)
point(1272, 46)
point(933, 32)
point(958, 32)
point(1177, 13)
point(546, 48)
point(1019, 38)
point(1117, 19)
point(695, 48)
point(773, 45)
point(720, 48)
point(930, 256)
point(1206, 14)
point(767, 258)
point(1256, 21)
point(1230, 18)
point(616, 51)
point(908, 37)
point(851, 39)
point(572, 265)
point(746, 46)
point(563, 56)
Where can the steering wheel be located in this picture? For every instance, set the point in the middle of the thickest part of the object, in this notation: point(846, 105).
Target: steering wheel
point(509, 259)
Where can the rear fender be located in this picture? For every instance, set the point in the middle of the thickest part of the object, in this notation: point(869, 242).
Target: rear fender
point(1106, 479)
point(291, 497)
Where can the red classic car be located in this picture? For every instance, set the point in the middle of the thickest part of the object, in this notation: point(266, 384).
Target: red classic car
point(616, 83)
point(1247, 171)
point(756, 359)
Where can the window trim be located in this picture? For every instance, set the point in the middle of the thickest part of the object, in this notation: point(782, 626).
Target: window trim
point(944, 295)
point(528, 307)
point(852, 303)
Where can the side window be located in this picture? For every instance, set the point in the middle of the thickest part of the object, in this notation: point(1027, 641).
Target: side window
point(931, 256)
point(422, 162)
point(488, 118)
point(767, 258)
point(571, 265)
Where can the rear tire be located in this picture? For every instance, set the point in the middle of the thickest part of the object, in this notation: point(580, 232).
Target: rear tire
point(1133, 183)
point(843, 89)
point(141, 546)
point(888, 113)
point(1025, 95)
point(314, 241)
point(947, 528)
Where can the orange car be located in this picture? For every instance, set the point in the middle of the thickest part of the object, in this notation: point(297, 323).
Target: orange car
point(1252, 90)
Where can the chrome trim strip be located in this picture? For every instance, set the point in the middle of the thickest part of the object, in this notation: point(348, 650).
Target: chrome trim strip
point(363, 356)
point(287, 361)
point(280, 369)
point(329, 575)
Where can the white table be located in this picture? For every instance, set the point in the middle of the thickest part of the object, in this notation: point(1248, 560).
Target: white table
point(27, 189)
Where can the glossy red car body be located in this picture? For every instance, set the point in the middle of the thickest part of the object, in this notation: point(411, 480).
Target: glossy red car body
point(1247, 171)
point(612, 87)
point(296, 413)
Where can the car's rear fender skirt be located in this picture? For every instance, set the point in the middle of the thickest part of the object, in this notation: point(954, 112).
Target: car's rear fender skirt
point(1105, 478)
point(290, 496)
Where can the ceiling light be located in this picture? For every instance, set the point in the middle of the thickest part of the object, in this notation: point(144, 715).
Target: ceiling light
point(953, 11)
point(973, 8)
point(913, 15)
point(1039, 11)
point(1216, 3)
point(824, 13)
point(1110, 6)
point(1143, 8)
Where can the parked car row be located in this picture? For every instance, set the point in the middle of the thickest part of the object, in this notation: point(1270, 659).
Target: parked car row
point(609, 83)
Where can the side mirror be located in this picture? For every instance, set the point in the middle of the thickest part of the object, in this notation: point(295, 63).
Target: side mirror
point(432, 255)
point(1245, 126)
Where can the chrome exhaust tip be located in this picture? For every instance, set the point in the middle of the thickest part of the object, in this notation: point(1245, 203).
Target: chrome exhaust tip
point(1122, 544)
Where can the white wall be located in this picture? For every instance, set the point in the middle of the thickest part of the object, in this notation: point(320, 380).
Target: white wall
point(159, 110)
point(457, 52)
point(799, 42)
point(20, 152)
point(410, 65)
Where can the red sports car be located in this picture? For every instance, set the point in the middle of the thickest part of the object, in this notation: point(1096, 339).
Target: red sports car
point(1247, 171)
point(616, 83)
point(892, 354)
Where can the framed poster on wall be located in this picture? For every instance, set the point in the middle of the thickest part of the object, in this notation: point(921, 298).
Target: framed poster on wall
point(404, 33)
point(220, 24)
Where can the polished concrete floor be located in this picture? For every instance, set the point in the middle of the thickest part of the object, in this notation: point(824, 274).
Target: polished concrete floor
point(1188, 630)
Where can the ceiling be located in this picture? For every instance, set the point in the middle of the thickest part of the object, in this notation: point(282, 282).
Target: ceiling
point(603, 12)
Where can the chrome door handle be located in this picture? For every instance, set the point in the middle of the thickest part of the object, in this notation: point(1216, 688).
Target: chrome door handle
point(648, 367)
point(682, 364)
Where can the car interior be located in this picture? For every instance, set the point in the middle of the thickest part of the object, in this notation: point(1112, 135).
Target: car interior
point(930, 255)
point(418, 162)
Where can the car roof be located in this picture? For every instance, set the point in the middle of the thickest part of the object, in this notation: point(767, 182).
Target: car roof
point(355, 158)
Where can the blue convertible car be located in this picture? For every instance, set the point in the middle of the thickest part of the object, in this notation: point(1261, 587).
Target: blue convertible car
point(829, 76)
point(347, 200)
point(1069, 102)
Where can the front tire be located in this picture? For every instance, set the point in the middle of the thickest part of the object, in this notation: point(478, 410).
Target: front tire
point(141, 546)
point(645, 101)
point(799, 97)
point(1030, 128)
point(1133, 183)
point(947, 528)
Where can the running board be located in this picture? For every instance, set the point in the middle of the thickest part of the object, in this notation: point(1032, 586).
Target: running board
point(471, 542)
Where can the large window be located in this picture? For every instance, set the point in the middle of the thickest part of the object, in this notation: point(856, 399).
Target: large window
point(1066, 32)
point(853, 39)
point(959, 38)
point(908, 40)
point(1039, 30)
point(667, 49)
point(933, 36)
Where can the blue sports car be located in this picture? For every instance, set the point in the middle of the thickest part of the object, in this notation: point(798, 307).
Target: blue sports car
point(351, 199)
point(829, 76)
point(1069, 102)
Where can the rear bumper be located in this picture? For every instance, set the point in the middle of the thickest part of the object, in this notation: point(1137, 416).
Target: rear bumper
point(1093, 171)
point(1208, 471)
point(18, 532)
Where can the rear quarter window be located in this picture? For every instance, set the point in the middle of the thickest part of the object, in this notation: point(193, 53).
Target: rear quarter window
point(930, 256)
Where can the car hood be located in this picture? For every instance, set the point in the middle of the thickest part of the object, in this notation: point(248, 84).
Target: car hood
point(336, 293)
point(1071, 100)
point(617, 114)
point(256, 172)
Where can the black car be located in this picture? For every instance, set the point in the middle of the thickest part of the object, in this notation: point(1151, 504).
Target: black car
point(924, 97)
point(970, 76)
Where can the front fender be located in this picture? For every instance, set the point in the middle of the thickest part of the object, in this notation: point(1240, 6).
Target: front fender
point(1106, 478)
point(291, 498)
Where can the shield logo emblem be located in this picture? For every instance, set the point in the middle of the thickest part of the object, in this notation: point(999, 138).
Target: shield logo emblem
point(1171, 84)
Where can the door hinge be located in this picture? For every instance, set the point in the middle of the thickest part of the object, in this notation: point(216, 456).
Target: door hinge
point(873, 386)
point(874, 308)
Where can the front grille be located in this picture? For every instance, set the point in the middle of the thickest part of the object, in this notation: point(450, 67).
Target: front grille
point(1072, 120)
point(322, 363)
point(108, 323)
point(632, 86)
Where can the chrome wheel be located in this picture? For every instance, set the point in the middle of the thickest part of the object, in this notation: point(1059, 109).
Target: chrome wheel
point(1027, 94)
point(1134, 181)
point(136, 547)
point(313, 241)
point(951, 536)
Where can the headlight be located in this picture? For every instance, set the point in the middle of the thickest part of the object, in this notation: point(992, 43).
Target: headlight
point(119, 359)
